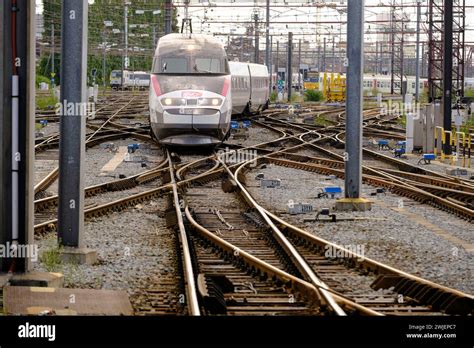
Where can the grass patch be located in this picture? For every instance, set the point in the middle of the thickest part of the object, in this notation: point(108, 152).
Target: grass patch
point(468, 125)
point(295, 98)
point(40, 79)
point(321, 121)
point(273, 97)
point(402, 120)
point(46, 103)
point(51, 259)
point(313, 95)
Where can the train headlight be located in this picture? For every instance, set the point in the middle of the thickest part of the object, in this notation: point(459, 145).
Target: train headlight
point(168, 101)
point(209, 101)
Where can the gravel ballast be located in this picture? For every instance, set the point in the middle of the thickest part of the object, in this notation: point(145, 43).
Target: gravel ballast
point(392, 237)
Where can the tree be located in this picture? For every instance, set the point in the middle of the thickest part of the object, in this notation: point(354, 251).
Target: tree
point(144, 23)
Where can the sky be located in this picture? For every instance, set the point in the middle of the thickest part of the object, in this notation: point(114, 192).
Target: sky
point(205, 14)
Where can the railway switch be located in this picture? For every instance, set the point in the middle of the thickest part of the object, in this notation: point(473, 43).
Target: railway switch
point(299, 208)
point(330, 191)
point(133, 147)
point(383, 144)
point(427, 158)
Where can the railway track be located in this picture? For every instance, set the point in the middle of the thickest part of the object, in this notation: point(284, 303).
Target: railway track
point(236, 258)
point(421, 297)
point(105, 131)
point(456, 198)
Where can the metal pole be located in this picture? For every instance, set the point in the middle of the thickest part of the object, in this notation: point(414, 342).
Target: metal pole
point(277, 60)
point(355, 50)
point(392, 57)
point(72, 126)
point(53, 80)
point(448, 70)
point(423, 59)
point(104, 79)
point(257, 40)
point(289, 74)
point(267, 37)
point(333, 55)
point(168, 5)
point(270, 65)
point(127, 62)
point(376, 57)
point(319, 59)
point(417, 67)
point(17, 107)
point(123, 65)
point(323, 68)
point(299, 65)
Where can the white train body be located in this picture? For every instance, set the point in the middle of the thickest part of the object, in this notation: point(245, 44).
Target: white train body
point(381, 83)
point(250, 89)
point(131, 79)
point(190, 93)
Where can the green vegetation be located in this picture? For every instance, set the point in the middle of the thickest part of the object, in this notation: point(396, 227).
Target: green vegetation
point(40, 79)
point(321, 121)
point(51, 259)
point(141, 44)
point(313, 95)
point(424, 96)
point(273, 97)
point(295, 98)
point(46, 102)
point(469, 93)
point(468, 125)
point(402, 120)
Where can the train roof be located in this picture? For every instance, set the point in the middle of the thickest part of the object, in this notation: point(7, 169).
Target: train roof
point(169, 43)
point(238, 68)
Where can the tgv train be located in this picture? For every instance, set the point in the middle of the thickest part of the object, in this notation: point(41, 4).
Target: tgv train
point(250, 89)
point(190, 91)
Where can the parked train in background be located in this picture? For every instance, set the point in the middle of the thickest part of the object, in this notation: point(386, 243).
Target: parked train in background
point(131, 79)
point(250, 89)
point(296, 79)
point(372, 83)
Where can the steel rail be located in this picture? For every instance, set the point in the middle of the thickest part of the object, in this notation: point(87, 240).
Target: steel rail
point(189, 278)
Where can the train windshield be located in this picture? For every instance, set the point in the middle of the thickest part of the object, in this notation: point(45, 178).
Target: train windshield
point(116, 73)
point(172, 65)
point(207, 65)
point(190, 65)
